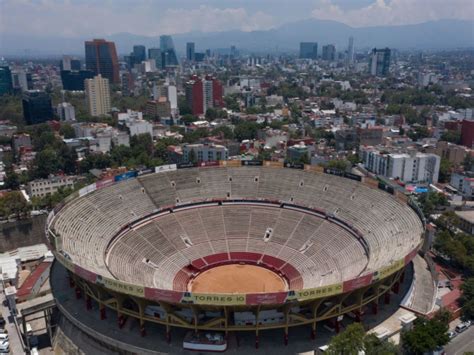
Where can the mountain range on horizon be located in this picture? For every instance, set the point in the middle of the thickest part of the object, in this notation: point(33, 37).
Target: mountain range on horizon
point(433, 35)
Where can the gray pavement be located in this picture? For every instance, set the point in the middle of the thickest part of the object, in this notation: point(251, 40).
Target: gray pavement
point(15, 342)
point(461, 344)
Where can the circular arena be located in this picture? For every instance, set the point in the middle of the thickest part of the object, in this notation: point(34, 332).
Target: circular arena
point(224, 247)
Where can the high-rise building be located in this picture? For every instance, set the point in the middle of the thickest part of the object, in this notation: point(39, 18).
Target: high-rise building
point(202, 94)
point(37, 107)
point(194, 95)
point(329, 52)
point(308, 50)
point(22, 80)
point(98, 95)
point(467, 133)
point(155, 53)
point(350, 51)
point(74, 80)
point(168, 52)
point(6, 85)
point(70, 63)
point(190, 56)
point(379, 62)
point(101, 58)
point(66, 112)
point(127, 83)
point(139, 51)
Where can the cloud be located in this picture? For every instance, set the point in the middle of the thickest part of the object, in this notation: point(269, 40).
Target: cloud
point(395, 12)
point(209, 19)
point(146, 17)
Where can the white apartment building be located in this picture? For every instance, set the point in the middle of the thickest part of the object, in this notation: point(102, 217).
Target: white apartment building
point(408, 167)
point(66, 112)
point(97, 95)
point(43, 187)
point(205, 152)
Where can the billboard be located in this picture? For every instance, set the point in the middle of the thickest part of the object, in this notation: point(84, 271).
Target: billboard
point(266, 298)
point(319, 292)
point(125, 176)
point(389, 270)
point(104, 183)
point(119, 286)
point(357, 283)
point(164, 168)
point(230, 163)
point(251, 163)
point(85, 274)
point(216, 300)
point(163, 295)
point(273, 164)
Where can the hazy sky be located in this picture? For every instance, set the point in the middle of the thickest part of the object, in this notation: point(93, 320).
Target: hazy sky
point(153, 17)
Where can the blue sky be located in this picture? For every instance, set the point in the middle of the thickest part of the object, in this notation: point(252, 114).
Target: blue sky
point(72, 18)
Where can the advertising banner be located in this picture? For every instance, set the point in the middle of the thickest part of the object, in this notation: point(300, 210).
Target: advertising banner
point(163, 295)
point(164, 168)
point(120, 286)
point(389, 270)
point(85, 274)
point(273, 164)
point(230, 163)
point(125, 176)
point(266, 298)
point(104, 183)
point(203, 164)
point(252, 163)
point(217, 300)
point(294, 165)
point(68, 264)
point(357, 283)
point(319, 292)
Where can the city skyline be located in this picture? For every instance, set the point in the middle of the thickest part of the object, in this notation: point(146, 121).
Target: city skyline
point(157, 18)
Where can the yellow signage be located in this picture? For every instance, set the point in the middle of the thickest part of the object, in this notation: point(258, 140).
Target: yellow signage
point(389, 270)
point(68, 264)
point(122, 287)
point(319, 292)
point(217, 299)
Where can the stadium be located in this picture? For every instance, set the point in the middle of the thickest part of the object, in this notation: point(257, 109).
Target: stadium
point(234, 246)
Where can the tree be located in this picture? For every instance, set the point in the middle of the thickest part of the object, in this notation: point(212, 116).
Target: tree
point(14, 204)
point(354, 339)
point(445, 170)
point(427, 334)
point(246, 130)
point(67, 131)
point(46, 162)
point(451, 136)
point(349, 342)
point(12, 181)
point(338, 164)
point(226, 131)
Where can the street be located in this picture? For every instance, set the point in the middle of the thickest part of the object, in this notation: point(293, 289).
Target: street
point(464, 342)
point(15, 342)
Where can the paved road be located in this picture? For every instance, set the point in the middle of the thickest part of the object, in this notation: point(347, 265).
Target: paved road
point(15, 343)
point(462, 343)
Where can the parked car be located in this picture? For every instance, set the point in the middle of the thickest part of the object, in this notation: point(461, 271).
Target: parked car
point(452, 334)
point(463, 326)
point(4, 346)
point(2, 321)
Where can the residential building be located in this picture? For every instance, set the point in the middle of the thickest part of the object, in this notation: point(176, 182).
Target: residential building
point(98, 95)
point(379, 62)
point(454, 153)
point(202, 94)
point(467, 133)
point(127, 83)
point(158, 108)
point(370, 135)
point(190, 51)
point(6, 85)
point(466, 219)
point(74, 80)
point(407, 167)
point(70, 63)
point(308, 50)
point(66, 112)
point(21, 141)
point(329, 52)
point(37, 107)
point(464, 183)
point(44, 187)
point(101, 58)
point(204, 152)
point(139, 51)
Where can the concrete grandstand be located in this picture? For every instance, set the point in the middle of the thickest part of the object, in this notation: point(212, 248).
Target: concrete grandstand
point(136, 243)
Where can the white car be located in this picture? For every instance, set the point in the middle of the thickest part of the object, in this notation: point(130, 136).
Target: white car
point(4, 336)
point(4, 346)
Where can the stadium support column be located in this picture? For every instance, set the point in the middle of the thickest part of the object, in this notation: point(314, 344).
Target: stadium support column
point(120, 317)
point(256, 328)
point(226, 321)
point(141, 310)
point(286, 310)
point(314, 312)
point(88, 302)
point(195, 317)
